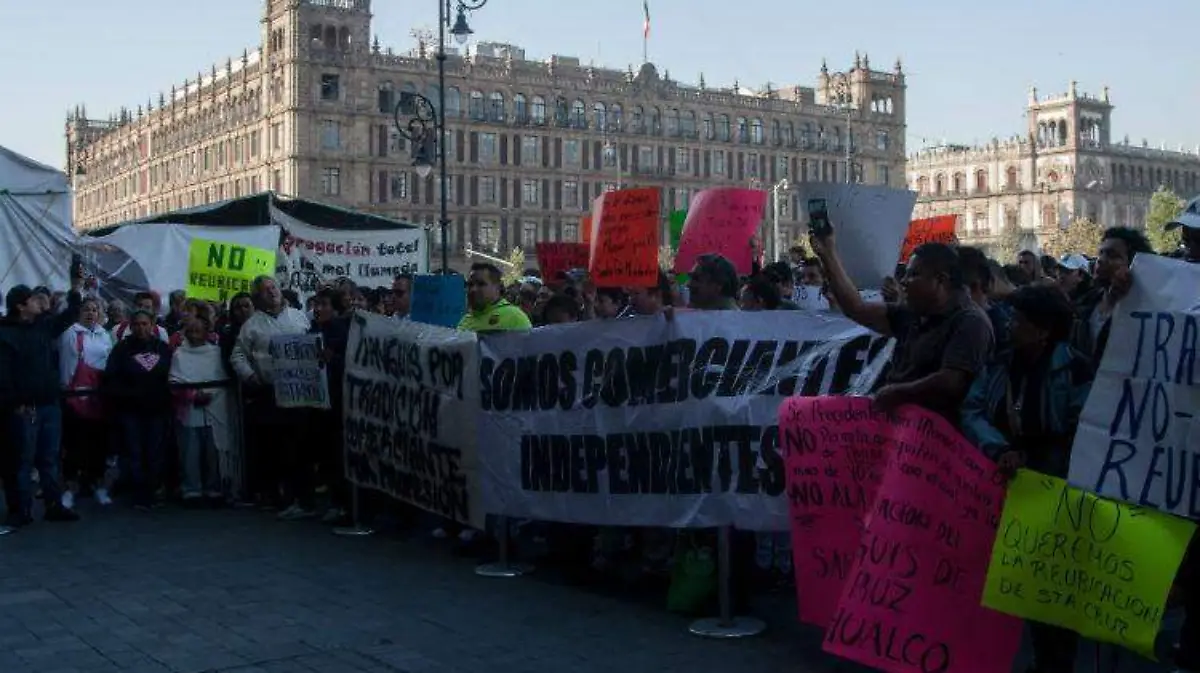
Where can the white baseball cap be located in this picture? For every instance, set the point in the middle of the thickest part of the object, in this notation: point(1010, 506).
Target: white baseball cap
point(1189, 218)
point(1074, 262)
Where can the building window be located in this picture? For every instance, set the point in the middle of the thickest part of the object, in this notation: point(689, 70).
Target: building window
point(570, 233)
point(882, 142)
point(709, 132)
point(276, 181)
point(578, 115)
point(571, 152)
point(683, 160)
point(487, 148)
point(331, 181)
point(489, 234)
point(382, 190)
point(437, 184)
point(539, 110)
point(883, 174)
point(496, 107)
point(959, 182)
point(756, 132)
point(387, 98)
point(723, 128)
point(683, 198)
point(1011, 178)
point(331, 88)
point(400, 186)
point(570, 194)
point(614, 117)
point(981, 181)
point(636, 122)
point(718, 164)
point(782, 167)
point(476, 106)
point(531, 192)
point(520, 109)
point(529, 234)
point(331, 134)
point(277, 136)
point(600, 112)
point(645, 156)
point(487, 189)
point(531, 150)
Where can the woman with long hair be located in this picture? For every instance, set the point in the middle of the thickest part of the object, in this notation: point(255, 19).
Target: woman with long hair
point(83, 352)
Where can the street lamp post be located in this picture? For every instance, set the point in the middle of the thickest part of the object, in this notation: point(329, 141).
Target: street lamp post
point(424, 114)
point(845, 100)
point(781, 188)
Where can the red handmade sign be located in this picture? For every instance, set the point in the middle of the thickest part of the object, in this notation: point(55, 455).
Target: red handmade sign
point(625, 238)
point(555, 258)
point(940, 229)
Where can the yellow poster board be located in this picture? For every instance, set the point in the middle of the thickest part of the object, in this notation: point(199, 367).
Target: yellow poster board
point(218, 270)
point(1069, 558)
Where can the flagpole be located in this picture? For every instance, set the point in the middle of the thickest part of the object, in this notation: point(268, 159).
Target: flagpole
point(645, 32)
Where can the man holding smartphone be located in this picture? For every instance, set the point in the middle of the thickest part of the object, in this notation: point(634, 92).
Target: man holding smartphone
point(943, 340)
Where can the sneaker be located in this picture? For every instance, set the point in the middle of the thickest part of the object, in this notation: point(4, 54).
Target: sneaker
point(5, 530)
point(68, 500)
point(295, 513)
point(102, 497)
point(60, 513)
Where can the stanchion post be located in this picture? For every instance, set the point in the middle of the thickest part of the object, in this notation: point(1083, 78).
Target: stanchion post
point(726, 625)
point(503, 567)
point(355, 529)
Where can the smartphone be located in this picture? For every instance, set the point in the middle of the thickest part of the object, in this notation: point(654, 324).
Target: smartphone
point(818, 218)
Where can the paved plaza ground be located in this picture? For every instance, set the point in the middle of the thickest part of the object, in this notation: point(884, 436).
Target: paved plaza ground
point(177, 591)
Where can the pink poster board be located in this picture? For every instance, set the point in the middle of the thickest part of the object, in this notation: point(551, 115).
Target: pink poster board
point(922, 506)
point(721, 221)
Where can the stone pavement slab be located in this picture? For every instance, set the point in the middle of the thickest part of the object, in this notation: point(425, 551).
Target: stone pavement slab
point(178, 591)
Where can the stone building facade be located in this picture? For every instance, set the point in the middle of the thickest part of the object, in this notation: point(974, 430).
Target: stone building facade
point(529, 143)
point(1065, 166)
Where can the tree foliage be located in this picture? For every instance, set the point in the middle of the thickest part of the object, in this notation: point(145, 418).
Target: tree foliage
point(1165, 205)
point(1008, 245)
point(1081, 236)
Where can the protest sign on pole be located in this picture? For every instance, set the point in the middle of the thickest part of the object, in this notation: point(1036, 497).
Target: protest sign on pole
point(556, 257)
point(411, 403)
point(438, 300)
point(1138, 439)
point(642, 422)
point(297, 371)
point(370, 258)
point(940, 229)
point(1091, 565)
point(893, 518)
point(219, 270)
point(625, 237)
point(721, 221)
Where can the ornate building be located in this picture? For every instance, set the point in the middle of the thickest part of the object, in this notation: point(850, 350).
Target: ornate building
point(1065, 167)
point(529, 143)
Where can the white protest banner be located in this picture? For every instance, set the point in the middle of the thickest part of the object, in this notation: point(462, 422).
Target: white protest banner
point(412, 398)
point(1138, 440)
point(642, 422)
point(311, 255)
point(870, 223)
point(299, 375)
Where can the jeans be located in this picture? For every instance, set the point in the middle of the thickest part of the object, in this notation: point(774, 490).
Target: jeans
point(200, 469)
point(143, 438)
point(35, 439)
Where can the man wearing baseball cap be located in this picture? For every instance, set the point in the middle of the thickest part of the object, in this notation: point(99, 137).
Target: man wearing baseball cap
point(1189, 222)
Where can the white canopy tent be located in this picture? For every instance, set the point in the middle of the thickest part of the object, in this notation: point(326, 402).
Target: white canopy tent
point(36, 239)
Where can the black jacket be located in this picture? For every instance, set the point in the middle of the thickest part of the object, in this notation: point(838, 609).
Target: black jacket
point(29, 357)
point(336, 334)
point(137, 378)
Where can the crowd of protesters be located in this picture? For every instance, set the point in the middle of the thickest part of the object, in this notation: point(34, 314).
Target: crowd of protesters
point(102, 399)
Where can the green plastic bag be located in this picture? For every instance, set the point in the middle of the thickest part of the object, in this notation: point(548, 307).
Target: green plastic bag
point(693, 577)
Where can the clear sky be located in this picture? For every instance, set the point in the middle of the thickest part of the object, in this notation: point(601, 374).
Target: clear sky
point(969, 64)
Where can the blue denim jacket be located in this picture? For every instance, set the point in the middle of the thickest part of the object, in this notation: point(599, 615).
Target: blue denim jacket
point(1064, 388)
